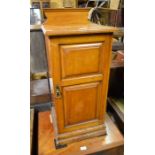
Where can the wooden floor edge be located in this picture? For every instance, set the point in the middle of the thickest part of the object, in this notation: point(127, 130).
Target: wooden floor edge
point(114, 145)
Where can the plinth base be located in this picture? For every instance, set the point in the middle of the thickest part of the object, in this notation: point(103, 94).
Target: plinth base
point(81, 134)
point(112, 140)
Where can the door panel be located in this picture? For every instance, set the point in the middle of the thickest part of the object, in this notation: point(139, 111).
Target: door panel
point(80, 103)
point(80, 67)
point(80, 59)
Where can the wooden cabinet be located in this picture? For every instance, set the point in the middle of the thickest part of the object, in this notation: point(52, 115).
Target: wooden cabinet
point(79, 54)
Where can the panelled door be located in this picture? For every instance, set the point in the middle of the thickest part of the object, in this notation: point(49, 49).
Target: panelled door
point(80, 72)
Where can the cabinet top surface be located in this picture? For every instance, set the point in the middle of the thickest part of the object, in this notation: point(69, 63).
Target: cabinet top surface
point(70, 22)
point(72, 29)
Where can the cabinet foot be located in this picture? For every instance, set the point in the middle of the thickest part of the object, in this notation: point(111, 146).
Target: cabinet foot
point(59, 146)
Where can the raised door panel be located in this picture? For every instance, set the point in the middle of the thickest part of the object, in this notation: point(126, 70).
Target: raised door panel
point(80, 67)
point(80, 59)
point(81, 103)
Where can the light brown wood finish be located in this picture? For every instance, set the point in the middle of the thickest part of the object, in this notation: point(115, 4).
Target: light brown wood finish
point(71, 21)
point(79, 71)
point(79, 66)
point(83, 131)
point(31, 129)
point(46, 146)
point(87, 54)
point(59, 17)
point(74, 29)
point(80, 103)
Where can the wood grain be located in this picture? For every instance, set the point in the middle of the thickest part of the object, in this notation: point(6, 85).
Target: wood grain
point(87, 54)
point(74, 29)
point(82, 137)
point(66, 16)
point(83, 131)
point(31, 129)
point(82, 79)
point(80, 103)
point(71, 21)
point(112, 140)
point(103, 67)
point(79, 57)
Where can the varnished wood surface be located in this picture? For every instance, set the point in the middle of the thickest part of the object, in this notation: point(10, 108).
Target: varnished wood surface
point(79, 66)
point(87, 54)
point(71, 29)
point(85, 95)
point(119, 32)
point(66, 16)
point(71, 21)
point(83, 131)
point(100, 47)
point(31, 128)
point(46, 145)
